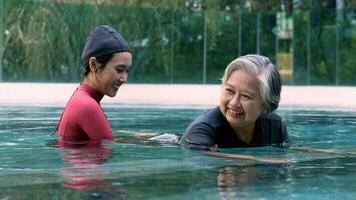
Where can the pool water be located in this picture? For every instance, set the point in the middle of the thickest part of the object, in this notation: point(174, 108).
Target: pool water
point(33, 165)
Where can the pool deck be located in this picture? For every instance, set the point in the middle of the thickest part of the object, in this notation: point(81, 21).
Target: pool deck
point(176, 95)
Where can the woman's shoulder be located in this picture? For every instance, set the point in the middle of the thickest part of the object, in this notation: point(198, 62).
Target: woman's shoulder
point(272, 129)
point(270, 121)
point(210, 117)
point(270, 116)
point(82, 101)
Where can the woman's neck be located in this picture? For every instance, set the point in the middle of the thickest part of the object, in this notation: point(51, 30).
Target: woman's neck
point(245, 133)
point(89, 81)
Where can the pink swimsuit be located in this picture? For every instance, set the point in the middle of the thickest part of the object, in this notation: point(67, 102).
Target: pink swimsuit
point(83, 118)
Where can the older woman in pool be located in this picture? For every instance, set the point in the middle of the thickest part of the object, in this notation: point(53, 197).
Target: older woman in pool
point(107, 59)
point(250, 92)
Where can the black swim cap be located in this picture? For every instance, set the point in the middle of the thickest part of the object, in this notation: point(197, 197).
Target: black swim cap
point(104, 40)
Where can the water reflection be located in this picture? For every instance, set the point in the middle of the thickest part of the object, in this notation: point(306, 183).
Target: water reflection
point(324, 174)
point(86, 169)
point(230, 178)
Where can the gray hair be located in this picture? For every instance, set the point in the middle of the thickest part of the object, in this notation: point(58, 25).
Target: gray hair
point(267, 74)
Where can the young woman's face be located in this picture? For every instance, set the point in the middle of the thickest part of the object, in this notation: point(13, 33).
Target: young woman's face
point(114, 74)
point(240, 100)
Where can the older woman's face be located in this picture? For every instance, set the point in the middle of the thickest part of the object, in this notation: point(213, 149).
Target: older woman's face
point(114, 73)
point(240, 100)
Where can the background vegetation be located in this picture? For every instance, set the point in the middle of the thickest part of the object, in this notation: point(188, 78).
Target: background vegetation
point(181, 41)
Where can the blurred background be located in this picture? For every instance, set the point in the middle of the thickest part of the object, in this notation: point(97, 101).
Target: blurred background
point(313, 42)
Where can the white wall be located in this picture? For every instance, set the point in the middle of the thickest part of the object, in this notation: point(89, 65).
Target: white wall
point(174, 95)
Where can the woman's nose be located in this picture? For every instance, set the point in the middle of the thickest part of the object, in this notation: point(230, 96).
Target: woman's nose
point(235, 101)
point(123, 77)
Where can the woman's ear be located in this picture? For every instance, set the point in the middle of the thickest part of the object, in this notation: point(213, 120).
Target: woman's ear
point(93, 64)
point(265, 110)
point(264, 107)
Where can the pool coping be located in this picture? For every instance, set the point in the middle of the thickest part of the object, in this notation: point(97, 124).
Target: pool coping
point(174, 95)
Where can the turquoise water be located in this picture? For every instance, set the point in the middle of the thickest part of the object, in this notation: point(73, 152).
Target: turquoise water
point(32, 166)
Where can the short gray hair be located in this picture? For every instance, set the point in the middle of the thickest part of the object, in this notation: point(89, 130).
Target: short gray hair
point(267, 74)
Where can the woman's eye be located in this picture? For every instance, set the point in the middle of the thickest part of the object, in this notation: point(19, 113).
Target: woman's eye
point(229, 90)
point(247, 96)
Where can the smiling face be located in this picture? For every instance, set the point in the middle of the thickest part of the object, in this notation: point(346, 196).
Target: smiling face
point(108, 79)
point(240, 101)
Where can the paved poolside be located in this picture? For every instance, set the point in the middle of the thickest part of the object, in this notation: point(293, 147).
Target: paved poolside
point(174, 95)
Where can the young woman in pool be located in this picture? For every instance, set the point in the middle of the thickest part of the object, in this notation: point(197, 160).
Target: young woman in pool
point(107, 59)
point(250, 92)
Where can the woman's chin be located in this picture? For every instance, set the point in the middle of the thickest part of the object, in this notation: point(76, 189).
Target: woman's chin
point(234, 120)
point(111, 93)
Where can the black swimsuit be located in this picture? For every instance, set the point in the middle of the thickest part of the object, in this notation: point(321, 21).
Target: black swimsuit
point(212, 128)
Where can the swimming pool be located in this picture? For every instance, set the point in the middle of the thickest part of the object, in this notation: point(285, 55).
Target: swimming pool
point(32, 166)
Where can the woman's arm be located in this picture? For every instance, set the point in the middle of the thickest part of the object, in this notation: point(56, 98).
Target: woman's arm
point(95, 124)
point(249, 157)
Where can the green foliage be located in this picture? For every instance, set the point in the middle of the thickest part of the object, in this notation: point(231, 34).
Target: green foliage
point(323, 40)
point(41, 44)
point(327, 56)
point(47, 39)
point(222, 43)
point(300, 61)
point(173, 40)
point(347, 32)
point(248, 23)
point(267, 37)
